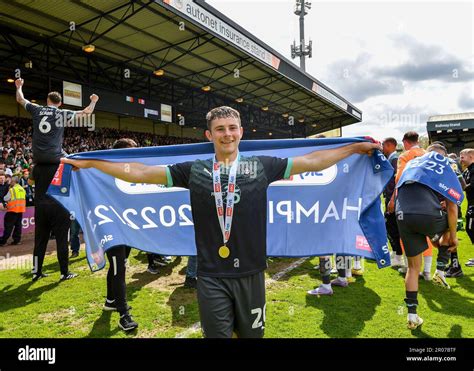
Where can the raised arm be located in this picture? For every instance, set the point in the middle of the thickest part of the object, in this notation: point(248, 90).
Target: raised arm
point(20, 98)
point(320, 160)
point(90, 108)
point(132, 172)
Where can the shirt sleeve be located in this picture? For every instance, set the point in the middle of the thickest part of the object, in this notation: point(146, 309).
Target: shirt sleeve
point(276, 168)
point(178, 175)
point(31, 108)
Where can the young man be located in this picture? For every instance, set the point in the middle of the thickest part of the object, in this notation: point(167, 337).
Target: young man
point(48, 133)
point(230, 231)
point(467, 162)
point(420, 215)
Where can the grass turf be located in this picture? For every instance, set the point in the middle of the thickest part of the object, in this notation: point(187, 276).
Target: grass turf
point(372, 307)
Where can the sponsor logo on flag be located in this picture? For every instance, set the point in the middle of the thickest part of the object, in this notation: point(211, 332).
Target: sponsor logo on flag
point(58, 177)
point(362, 244)
point(455, 194)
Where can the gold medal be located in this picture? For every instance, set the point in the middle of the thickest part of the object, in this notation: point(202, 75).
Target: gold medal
point(224, 252)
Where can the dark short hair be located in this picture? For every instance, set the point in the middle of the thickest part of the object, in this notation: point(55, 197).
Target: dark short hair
point(440, 143)
point(124, 143)
point(220, 113)
point(411, 136)
point(55, 97)
point(391, 141)
point(437, 146)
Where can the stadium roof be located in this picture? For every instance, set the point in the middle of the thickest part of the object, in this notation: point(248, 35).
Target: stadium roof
point(456, 131)
point(458, 121)
point(193, 43)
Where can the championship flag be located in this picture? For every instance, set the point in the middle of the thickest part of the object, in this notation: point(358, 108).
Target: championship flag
point(337, 210)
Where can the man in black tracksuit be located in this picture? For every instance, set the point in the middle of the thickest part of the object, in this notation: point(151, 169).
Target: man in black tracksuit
point(467, 161)
point(116, 287)
point(48, 134)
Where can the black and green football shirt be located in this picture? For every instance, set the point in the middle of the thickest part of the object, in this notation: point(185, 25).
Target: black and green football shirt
point(247, 241)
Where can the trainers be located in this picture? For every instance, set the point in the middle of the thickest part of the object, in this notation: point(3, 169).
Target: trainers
point(190, 283)
point(397, 261)
point(350, 279)
point(402, 270)
point(339, 282)
point(357, 272)
point(321, 290)
point(127, 323)
point(425, 275)
point(111, 306)
point(153, 269)
point(37, 276)
point(470, 263)
point(414, 324)
point(440, 280)
point(74, 254)
point(161, 260)
point(67, 276)
point(16, 243)
point(454, 272)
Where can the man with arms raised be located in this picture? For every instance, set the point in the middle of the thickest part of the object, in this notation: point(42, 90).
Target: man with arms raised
point(229, 207)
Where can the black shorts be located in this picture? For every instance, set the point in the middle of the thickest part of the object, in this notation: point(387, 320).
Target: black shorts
point(228, 305)
point(414, 228)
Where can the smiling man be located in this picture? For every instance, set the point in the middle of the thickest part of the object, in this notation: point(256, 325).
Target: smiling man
point(229, 206)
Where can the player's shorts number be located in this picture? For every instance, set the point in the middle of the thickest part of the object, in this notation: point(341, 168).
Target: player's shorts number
point(260, 316)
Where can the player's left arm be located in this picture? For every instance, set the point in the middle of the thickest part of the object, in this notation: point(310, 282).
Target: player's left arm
point(90, 108)
point(320, 160)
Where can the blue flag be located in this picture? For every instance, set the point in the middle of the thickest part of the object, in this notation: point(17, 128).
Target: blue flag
point(337, 210)
point(435, 171)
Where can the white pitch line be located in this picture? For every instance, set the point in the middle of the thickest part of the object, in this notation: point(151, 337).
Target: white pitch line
point(194, 328)
point(197, 326)
point(288, 269)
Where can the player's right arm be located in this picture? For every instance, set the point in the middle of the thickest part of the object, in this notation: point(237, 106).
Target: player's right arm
point(133, 172)
point(20, 98)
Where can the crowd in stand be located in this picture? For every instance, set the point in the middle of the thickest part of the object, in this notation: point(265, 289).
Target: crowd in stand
point(16, 146)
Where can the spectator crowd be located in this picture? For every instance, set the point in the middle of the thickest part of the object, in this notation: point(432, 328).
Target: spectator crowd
point(16, 147)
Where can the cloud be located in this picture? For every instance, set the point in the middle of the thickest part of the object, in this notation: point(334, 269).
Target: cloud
point(356, 81)
point(426, 62)
point(466, 100)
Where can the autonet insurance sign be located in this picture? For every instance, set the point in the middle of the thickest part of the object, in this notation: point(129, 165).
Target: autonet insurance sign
point(227, 32)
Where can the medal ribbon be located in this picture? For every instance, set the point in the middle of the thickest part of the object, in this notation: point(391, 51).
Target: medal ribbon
point(225, 224)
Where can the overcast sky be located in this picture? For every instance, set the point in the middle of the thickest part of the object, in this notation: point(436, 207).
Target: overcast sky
point(399, 62)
